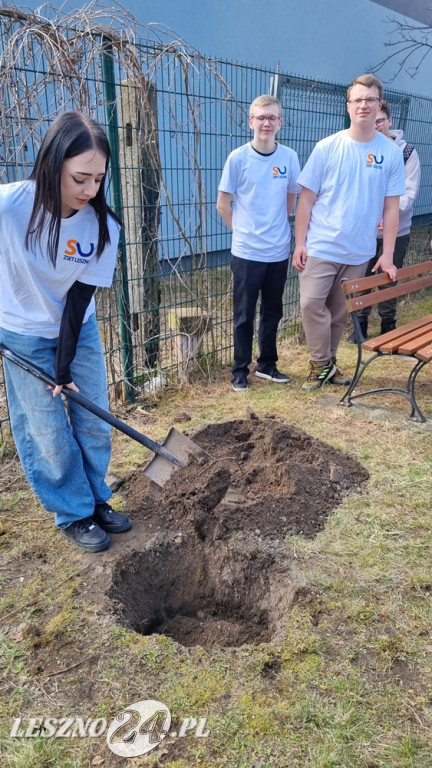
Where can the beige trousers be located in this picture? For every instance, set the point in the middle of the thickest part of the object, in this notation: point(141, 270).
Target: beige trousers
point(322, 304)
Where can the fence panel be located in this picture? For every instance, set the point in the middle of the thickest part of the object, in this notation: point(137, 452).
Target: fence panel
point(172, 118)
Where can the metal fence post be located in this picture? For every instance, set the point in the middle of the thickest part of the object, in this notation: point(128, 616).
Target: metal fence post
point(110, 106)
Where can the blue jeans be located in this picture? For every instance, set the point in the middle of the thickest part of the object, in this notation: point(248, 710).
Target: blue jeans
point(64, 449)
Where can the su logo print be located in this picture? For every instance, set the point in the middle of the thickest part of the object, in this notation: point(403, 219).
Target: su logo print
point(278, 172)
point(373, 160)
point(74, 247)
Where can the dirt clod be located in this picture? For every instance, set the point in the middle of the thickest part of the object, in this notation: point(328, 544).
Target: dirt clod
point(336, 474)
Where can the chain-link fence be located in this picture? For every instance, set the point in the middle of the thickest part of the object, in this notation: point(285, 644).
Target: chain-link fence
point(172, 116)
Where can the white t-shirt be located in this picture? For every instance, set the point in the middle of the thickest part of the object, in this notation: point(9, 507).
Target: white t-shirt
point(260, 185)
point(32, 291)
point(351, 180)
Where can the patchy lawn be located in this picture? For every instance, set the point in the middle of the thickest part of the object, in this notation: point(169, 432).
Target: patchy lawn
point(296, 634)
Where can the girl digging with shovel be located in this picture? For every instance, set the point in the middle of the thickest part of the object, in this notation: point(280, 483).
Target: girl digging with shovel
point(58, 243)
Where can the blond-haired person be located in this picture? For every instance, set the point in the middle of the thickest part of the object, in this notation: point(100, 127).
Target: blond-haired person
point(257, 192)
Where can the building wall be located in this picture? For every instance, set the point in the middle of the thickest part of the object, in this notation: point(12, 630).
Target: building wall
point(332, 40)
point(420, 10)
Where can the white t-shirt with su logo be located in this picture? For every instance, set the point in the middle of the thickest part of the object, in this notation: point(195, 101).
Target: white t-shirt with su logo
point(351, 179)
point(32, 290)
point(260, 184)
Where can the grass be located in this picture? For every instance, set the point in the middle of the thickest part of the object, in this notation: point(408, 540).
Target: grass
point(347, 685)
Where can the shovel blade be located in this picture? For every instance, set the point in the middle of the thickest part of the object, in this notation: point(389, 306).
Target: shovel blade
point(160, 469)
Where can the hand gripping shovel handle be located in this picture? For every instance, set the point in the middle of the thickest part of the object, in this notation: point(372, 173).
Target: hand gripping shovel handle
point(89, 406)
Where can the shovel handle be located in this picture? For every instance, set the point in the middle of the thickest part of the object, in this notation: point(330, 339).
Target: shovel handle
point(92, 407)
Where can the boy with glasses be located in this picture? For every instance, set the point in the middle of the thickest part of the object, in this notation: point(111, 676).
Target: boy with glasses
point(387, 309)
point(257, 192)
point(352, 181)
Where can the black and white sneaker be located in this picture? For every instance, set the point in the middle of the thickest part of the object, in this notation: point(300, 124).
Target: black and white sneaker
point(110, 520)
point(273, 375)
point(87, 535)
point(239, 382)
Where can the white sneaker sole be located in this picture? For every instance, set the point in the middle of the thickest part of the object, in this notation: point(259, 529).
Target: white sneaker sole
point(270, 378)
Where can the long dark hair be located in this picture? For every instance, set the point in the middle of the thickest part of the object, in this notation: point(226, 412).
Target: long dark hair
point(71, 134)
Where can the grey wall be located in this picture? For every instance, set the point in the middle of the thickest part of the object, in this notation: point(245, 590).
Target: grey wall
point(329, 39)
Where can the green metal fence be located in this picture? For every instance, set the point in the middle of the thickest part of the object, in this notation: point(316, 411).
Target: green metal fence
point(172, 117)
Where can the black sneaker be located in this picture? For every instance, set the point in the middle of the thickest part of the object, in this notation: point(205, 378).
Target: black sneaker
point(87, 534)
point(387, 324)
point(338, 377)
point(352, 338)
point(239, 382)
point(273, 375)
point(110, 520)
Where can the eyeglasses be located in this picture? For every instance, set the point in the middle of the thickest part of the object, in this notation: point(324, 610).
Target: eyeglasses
point(380, 121)
point(263, 118)
point(369, 101)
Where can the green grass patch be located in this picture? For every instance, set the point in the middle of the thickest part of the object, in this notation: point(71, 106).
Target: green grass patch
point(346, 683)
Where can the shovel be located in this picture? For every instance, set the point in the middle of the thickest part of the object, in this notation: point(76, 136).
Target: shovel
point(174, 453)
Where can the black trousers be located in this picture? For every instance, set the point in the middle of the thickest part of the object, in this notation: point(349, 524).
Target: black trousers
point(251, 278)
point(386, 309)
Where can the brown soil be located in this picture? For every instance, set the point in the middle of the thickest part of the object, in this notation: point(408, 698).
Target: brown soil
point(264, 477)
point(217, 569)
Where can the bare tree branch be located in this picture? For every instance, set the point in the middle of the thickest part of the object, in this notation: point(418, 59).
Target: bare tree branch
point(411, 45)
point(51, 61)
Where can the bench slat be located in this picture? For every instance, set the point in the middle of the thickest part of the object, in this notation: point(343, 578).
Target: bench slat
point(415, 325)
point(425, 353)
point(405, 340)
point(376, 297)
point(411, 347)
point(366, 283)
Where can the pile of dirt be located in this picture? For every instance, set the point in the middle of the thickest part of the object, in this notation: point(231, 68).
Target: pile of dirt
point(263, 476)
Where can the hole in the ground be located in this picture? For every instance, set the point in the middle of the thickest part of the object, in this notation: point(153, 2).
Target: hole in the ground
point(206, 595)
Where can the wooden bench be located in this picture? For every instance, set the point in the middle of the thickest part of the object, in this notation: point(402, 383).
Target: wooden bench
point(412, 340)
